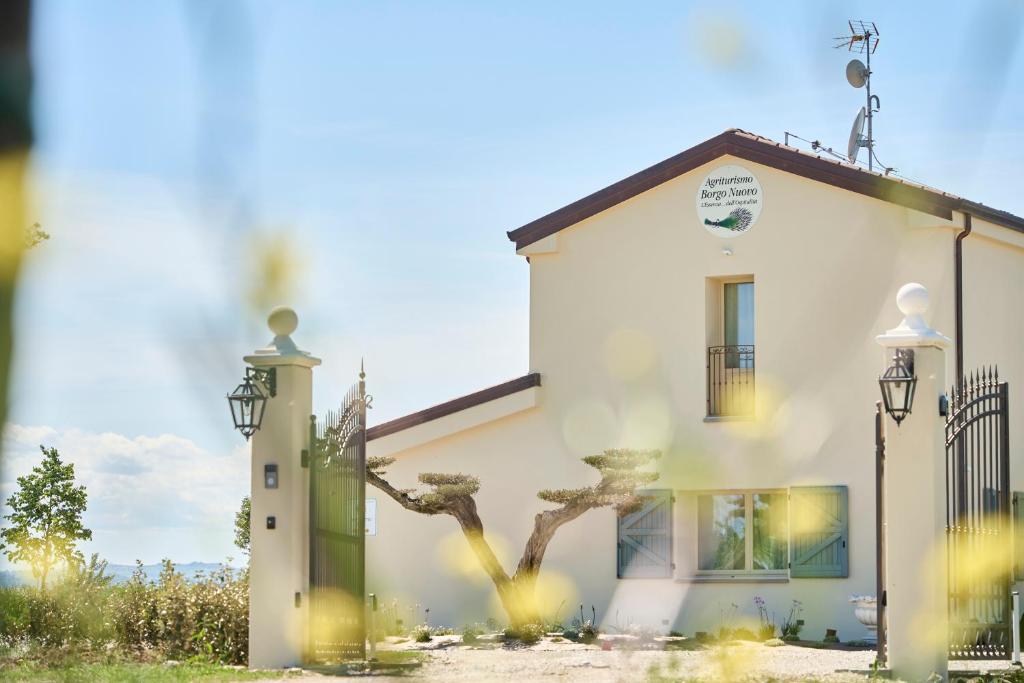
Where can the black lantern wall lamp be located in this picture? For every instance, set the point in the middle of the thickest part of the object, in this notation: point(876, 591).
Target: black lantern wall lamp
point(898, 384)
point(248, 400)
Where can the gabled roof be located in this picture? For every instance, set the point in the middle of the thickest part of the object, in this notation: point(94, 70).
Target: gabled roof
point(755, 148)
point(453, 406)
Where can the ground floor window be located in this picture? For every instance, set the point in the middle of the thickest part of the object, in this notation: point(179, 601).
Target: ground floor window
point(742, 532)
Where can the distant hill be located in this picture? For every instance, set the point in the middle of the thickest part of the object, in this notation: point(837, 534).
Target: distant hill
point(120, 572)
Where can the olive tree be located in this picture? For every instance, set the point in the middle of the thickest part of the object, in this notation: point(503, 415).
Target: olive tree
point(621, 475)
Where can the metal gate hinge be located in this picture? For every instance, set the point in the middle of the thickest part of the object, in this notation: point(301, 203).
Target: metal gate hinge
point(305, 458)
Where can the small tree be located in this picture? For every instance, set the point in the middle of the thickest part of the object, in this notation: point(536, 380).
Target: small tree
point(242, 521)
point(46, 517)
point(452, 494)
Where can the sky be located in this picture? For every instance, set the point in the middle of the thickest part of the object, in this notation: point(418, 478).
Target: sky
point(375, 154)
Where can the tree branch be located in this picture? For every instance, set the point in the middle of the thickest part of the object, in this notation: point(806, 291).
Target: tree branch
point(463, 509)
point(404, 499)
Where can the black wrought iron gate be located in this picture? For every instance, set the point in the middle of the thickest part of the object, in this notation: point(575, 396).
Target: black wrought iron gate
point(978, 518)
point(337, 512)
point(881, 653)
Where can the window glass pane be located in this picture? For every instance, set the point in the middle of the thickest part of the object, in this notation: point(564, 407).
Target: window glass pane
point(739, 321)
point(721, 532)
point(770, 531)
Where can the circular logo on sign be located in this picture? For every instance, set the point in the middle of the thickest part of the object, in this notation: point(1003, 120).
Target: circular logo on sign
point(729, 201)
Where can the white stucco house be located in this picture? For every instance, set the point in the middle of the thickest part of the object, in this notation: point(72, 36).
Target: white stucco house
point(720, 306)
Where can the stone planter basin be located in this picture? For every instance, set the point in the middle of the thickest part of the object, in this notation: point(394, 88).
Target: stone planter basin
point(865, 608)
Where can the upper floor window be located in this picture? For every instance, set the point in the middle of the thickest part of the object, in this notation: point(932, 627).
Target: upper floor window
point(730, 358)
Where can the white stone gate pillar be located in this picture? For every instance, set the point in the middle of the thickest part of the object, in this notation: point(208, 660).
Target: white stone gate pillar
point(915, 502)
point(279, 554)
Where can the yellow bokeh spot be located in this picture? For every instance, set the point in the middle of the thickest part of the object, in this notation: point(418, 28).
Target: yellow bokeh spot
point(731, 663)
point(457, 557)
point(555, 596)
point(12, 211)
point(721, 39)
point(274, 269)
point(767, 399)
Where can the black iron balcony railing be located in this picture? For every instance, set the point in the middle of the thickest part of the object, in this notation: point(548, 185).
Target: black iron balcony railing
point(730, 381)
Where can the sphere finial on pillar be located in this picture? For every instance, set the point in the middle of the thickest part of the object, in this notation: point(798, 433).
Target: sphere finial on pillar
point(912, 300)
point(282, 321)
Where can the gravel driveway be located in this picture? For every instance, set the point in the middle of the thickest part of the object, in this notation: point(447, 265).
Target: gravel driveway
point(548, 661)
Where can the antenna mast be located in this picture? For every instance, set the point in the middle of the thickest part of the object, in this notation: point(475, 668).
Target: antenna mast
point(863, 39)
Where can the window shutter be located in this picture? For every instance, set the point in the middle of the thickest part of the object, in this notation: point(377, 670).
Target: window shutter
point(1018, 535)
point(819, 528)
point(645, 538)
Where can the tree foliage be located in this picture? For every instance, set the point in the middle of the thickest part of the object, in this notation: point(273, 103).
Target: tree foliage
point(46, 517)
point(35, 235)
point(622, 474)
point(243, 521)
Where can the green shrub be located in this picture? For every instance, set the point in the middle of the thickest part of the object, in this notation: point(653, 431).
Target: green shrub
point(73, 609)
point(421, 634)
point(527, 634)
point(585, 629)
point(793, 624)
point(207, 618)
point(471, 634)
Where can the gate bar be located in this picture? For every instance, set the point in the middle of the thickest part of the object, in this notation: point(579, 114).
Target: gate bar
point(1016, 629)
point(879, 535)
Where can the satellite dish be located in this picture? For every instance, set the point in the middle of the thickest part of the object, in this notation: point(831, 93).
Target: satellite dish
point(856, 73)
point(856, 136)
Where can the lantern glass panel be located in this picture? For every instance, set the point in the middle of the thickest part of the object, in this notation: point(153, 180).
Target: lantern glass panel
point(898, 384)
point(247, 405)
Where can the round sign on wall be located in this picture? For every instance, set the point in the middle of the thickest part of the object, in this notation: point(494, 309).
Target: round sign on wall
point(729, 200)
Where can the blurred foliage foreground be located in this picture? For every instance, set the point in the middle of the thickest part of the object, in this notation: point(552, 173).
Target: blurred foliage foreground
point(83, 618)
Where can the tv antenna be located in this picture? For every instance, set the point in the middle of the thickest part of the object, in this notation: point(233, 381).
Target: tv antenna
point(863, 39)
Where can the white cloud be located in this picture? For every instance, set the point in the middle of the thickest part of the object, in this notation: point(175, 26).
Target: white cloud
point(149, 496)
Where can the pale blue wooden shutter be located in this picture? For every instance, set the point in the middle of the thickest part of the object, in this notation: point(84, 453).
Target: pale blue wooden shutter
point(645, 538)
point(819, 531)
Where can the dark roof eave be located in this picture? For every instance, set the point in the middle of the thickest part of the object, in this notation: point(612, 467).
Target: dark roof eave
point(453, 406)
point(743, 145)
